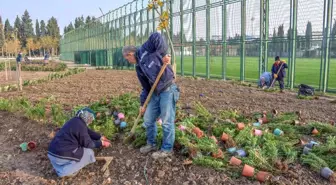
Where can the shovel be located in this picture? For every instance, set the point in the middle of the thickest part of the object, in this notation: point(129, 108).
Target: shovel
point(131, 134)
point(277, 77)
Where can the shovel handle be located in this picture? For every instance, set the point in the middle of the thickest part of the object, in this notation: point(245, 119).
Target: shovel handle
point(149, 96)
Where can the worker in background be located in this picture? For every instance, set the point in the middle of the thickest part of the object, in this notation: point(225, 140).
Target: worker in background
point(279, 72)
point(71, 148)
point(149, 59)
point(265, 80)
point(19, 57)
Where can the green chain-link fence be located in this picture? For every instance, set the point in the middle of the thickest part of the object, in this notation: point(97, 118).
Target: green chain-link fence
point(228, 39)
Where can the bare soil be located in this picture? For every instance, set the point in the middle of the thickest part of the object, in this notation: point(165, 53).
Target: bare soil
point(92, 85)
point(25, 75)
point(128, 167)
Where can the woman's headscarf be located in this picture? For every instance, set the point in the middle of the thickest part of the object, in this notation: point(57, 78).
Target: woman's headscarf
point(86, 115)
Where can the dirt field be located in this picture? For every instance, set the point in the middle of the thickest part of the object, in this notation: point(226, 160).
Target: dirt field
point(25, 75)
point(32, 168)
point(218, 95)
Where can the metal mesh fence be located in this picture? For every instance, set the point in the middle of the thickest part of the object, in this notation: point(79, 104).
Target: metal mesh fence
point(228, 39)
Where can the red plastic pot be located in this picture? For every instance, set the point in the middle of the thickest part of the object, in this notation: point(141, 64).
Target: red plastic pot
point(248, 171)
point(315, 131)
point(240, 126)
point(214, 138)
point(263, 176)
point(199, 133)
point(31, 145)
point(235, 161)
point(225, 137)
point(218, 154)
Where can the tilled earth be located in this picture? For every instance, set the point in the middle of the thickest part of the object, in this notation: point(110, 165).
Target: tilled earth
point(92, 85)
point(128, 167)
point(25, 75)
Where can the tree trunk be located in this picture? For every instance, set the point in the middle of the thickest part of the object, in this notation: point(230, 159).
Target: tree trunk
point(29, 53)
point(43, 52)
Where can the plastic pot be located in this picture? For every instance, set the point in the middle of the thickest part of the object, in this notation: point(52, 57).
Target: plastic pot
point(214, 138)
point(240, 126)
point(306, 150)
point(218, 154)
point(248, 171)
point(235, 161)
point(278, 132)
point(263, 176)
point(263, 120)
point(240, 153)
point(98, 115)
point(232, 150)
point(121, 116)
point(314, 131)
point(199, 133)
point(31, 145)
point(24, 146)
point(326, 172)
point(257, 124)
point(257, 132)
point(117, 121)
point(182, 128)
point(225, 137)
point(123, 124)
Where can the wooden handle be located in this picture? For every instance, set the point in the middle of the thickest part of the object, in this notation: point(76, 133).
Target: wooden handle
point(163, 68)
point(277, 74)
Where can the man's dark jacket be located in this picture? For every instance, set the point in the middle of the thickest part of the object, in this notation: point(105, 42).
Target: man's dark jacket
point(72, 138)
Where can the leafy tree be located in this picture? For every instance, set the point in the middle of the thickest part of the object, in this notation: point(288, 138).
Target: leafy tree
point(2, 36)
point(37, 29)
point(27, 29)
point(17, 28)
point(309, 35)
point(43, 28)
point(70, 27)
point(8, 30)
point(53, 28)
point(30, 45)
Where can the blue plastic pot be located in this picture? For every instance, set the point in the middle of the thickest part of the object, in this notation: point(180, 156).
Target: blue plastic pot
point(326, 172)
point(278, 132)
point(123, 124)
point(241, 153)
point(257, 124)
point(232, 150)
point(306, 150)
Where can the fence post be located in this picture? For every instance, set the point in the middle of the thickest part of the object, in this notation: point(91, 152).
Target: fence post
point(171, 28)
point(243, 39)
point(224, 24)
point(207, 39)
point(327, 22)
point(181, 38)
point(194, 38)
point(294, 4)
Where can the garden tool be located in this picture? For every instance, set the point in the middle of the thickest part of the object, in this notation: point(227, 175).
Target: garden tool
point(277, 76)
point(131, 134)
point(107, 160)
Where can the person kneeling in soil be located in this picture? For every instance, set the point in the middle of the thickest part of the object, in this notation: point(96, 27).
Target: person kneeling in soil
point(149, 59)
point(71, 148)
point(265, 80)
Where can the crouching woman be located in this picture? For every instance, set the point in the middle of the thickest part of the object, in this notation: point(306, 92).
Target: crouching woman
point(71, 148)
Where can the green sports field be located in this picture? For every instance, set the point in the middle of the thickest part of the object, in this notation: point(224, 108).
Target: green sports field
point(307, 70)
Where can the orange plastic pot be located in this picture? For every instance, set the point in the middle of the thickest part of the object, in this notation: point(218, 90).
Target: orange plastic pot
point(225, 137)
point(248, 171)
point(315, 131)
point(199, 133)
point(235, 161)
point(214, 138)
point(218, 154)
point(240, 126)
point(263, 176)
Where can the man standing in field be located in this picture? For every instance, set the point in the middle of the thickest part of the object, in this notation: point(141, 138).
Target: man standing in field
point(149, 59)
point(279, 72)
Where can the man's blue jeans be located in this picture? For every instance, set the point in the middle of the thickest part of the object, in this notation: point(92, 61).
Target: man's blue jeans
point(163, 106)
